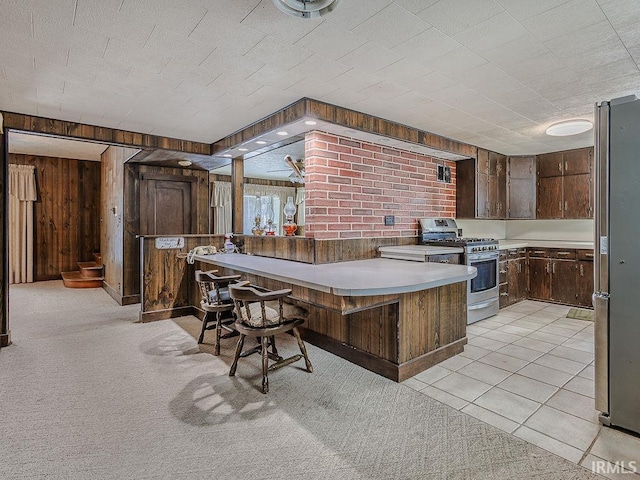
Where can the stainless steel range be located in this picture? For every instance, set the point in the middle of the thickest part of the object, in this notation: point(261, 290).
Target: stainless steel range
point(482, 253)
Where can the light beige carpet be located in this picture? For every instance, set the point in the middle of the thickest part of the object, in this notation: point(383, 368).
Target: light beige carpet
point(87, 393)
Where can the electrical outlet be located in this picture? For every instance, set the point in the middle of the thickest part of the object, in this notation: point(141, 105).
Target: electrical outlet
point(389, 220)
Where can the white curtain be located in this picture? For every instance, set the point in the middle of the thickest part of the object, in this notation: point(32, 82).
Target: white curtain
point(221, 203)
point(281, 193)
point(22, 194)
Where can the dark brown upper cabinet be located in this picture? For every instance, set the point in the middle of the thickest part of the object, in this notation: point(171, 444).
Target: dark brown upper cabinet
point(565, 184)
point(521, 187)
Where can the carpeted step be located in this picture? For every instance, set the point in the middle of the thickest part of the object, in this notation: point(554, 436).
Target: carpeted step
point(90, 269)
point(76, 280)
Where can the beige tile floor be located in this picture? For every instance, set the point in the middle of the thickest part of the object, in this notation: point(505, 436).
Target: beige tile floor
point(529, 371)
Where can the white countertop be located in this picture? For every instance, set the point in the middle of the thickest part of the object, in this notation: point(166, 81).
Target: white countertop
point(377, 276)
point(506, 244)
point(416, 253)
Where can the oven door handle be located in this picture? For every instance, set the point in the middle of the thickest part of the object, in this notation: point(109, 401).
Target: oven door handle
point(482, 256)
point(478, 306)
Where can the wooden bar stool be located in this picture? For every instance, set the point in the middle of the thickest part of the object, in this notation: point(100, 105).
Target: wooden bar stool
point(257, 319)
point(217, 305)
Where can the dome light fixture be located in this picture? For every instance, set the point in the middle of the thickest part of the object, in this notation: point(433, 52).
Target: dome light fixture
point(306, 8)
point(569, 127)
point(185, 163)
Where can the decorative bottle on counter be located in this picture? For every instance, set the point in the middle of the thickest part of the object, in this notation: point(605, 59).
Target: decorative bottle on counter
point(289, 211)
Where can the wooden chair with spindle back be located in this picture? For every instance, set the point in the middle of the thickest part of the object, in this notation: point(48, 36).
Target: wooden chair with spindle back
point(216, 304)
point(257, 319)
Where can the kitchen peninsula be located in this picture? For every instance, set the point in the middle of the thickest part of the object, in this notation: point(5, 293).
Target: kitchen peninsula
point(393, 317)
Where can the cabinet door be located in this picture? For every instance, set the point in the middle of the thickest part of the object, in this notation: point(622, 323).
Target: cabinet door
point(550, 164)
point(577, 193)
point(563, 281)
point(585, 283)
point(482, 165)
point(521, 293)
point(578, 161)
point(549, 198)
point(466, 189)
point(521, 187)
point(512, 273)
point(539, 278)
point(482, 195)
point(493, 197)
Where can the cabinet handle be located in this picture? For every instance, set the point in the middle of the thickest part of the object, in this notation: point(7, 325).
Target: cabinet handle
point(564, 253)
point(582, 270)
point(560, 205)
point(589, 255)
point(539, 252)
point(566, 205)
point(553, 268)
point(560, 167)
point(504, 294)
point(503, 271)
point(566, 166)
point(546, 268)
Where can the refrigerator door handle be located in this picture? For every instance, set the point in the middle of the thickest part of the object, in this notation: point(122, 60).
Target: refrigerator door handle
point(601, 334)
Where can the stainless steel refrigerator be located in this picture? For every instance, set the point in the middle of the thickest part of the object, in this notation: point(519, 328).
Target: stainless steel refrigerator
point(616, 295)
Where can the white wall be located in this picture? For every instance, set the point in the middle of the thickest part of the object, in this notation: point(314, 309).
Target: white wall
point(574, 230)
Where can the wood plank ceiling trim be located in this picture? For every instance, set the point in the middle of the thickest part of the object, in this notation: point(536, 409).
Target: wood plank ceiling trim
point(309, 108)
point(63, 128)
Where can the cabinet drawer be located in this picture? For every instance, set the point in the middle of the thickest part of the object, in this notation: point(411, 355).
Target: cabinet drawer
point(563, 254)
point(585, 255)
point(538, 252)
point(516, 253)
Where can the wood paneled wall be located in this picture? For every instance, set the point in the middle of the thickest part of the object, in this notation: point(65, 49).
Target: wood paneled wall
point(66, 213)
point(112, 215)
point(169, 288)
point(133, 173)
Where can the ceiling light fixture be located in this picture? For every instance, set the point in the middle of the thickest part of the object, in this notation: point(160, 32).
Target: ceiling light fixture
point(282, 133)
point(569, 127)
point(310, 122)
point(185, 163)
point(243, 149)
point(306, 8)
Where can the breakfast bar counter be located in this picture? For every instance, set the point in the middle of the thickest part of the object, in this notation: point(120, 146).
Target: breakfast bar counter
point(392, 317)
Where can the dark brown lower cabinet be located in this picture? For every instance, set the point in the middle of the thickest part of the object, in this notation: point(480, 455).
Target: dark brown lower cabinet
point(539, 278)
point(513, 277)
point(563, 281)
point(553, 275)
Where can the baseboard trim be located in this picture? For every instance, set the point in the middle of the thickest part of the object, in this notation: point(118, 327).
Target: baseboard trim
point(146, 317)
point(390, 370)
point(5, 339)
point(130, 299)
point(112, 292)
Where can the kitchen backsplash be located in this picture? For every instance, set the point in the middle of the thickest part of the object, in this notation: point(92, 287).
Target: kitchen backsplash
point(574, 230)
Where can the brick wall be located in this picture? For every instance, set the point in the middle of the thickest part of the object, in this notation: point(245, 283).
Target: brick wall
point(351, 185)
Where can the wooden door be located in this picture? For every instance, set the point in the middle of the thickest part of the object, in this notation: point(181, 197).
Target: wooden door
point(563, 281)
point(539, 278)
point(549, 198)
point(166, 204)
point(577, 193)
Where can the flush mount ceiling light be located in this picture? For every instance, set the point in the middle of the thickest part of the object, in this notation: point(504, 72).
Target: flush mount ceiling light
point(306, 8)
point(569, 127)
point(184, 163)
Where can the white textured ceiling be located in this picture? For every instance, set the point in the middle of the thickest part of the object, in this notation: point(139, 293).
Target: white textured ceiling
point(493, 73)
point(42, 145)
